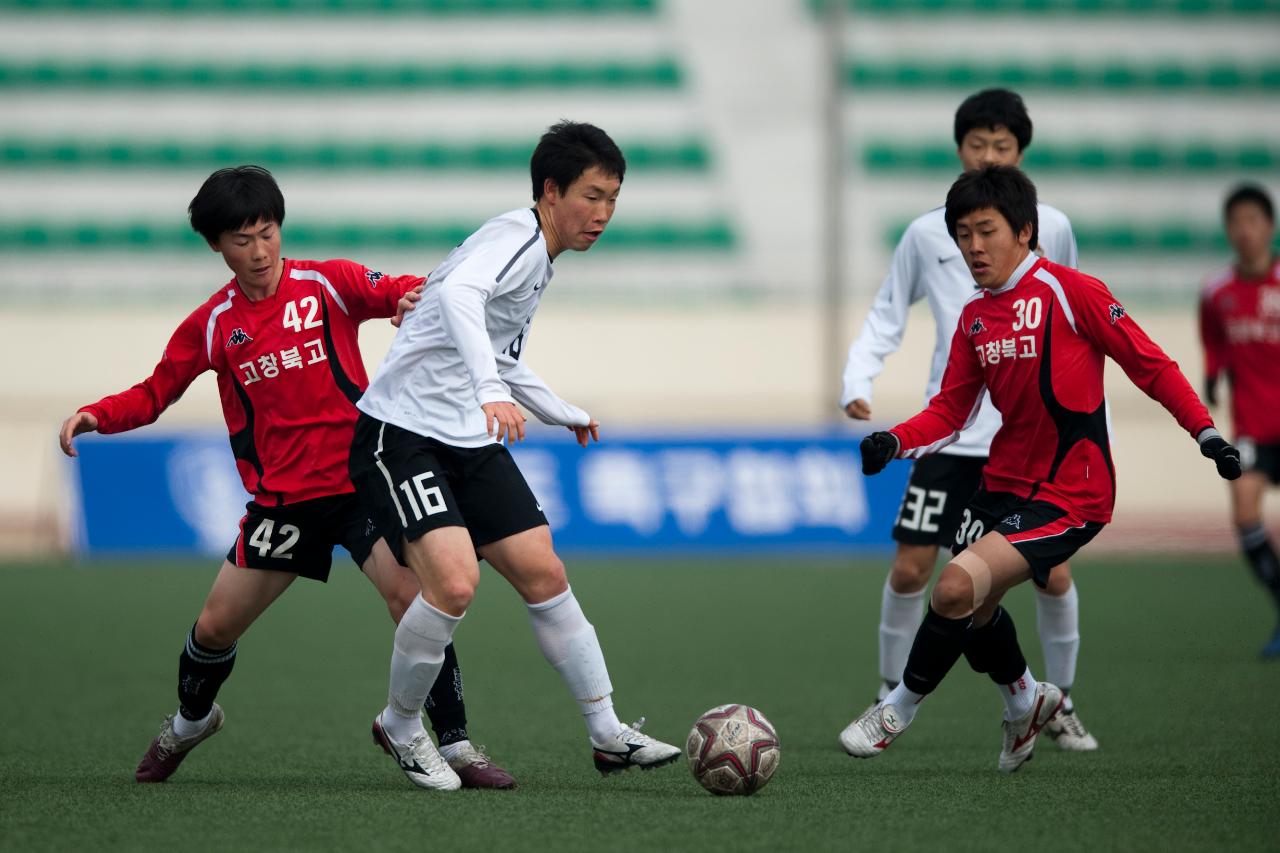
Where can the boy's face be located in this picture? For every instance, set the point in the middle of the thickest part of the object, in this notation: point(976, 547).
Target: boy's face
point(984, 146)
point(1250, 231)
point(582, 211)
point(990, 248)
point(252, 251)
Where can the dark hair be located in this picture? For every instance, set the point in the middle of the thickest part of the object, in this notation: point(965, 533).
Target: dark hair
point(992, 108)
point(233, 197)
point(567, 150)
point(1249, 194)
point(1005, 188)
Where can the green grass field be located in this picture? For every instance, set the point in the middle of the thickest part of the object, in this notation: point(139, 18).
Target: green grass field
point(1169, 681)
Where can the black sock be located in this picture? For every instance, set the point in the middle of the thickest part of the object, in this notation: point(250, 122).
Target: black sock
point(201, 672)
point(445, 708)
point(1258, 550)
point(937, 647)
point(994, 649)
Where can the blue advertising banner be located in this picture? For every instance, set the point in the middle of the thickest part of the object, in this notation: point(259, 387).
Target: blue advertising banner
point(174, 493)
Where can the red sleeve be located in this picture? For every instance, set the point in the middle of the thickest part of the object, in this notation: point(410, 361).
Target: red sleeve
point(1106, 323)
point(184, 359)
point(952, 408)
point(370, 293)
point(1212, 337)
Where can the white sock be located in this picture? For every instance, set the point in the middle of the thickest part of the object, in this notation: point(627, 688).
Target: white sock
point(1058, 623)
point(1019, 696)
point(900, 618)
point(907, 702)
point(450, 750)
point(182, 727)
point(416, 658)
point(568, 642)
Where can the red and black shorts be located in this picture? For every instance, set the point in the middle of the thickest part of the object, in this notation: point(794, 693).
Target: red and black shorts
point(414, 485)
point(1262, 458)
point(940, 487)
point(299, 537)
point(1045, 534)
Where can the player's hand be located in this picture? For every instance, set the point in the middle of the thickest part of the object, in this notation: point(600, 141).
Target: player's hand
point(506, 419)
point(878, 450)
point(406, 303)
point(859, 410)
point(1224, 455)
point(73, 426)
point(1211, 390)
point(584, 433)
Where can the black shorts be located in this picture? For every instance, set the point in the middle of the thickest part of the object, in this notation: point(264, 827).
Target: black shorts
point(937, 493)
point(299, 537)
point(1045, 534)
point(414, 485)
point(1263, 458)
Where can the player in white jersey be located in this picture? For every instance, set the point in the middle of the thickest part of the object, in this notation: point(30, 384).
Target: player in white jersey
point(991, 127)
point(428, 455)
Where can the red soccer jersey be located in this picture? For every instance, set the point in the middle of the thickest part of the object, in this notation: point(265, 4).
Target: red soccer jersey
point(1038, 349)
point(1240, 329)
point(289, 373)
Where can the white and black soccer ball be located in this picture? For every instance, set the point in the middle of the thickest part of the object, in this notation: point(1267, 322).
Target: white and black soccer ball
point(732, 749)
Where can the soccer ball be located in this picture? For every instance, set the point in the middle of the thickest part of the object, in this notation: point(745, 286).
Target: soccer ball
point(732, 749)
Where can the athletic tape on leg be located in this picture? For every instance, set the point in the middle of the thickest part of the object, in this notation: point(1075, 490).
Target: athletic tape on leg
point(979, 571)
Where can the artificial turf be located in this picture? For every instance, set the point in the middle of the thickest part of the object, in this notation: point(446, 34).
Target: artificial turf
point(1169, 682)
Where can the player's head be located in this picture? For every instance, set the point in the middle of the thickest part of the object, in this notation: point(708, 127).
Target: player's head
point(577, 172)
point(1251, 222)
point(992, 129)
point(239, 211)
point(991, 214)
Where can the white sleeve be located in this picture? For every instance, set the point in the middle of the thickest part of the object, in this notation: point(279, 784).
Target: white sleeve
point(885, 324)
point(463, 295)
point(532, 393)
point(1065, 252)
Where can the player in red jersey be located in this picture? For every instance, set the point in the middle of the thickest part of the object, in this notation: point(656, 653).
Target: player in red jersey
point(281, 337)
point(1240, 330)
point(1035, 337)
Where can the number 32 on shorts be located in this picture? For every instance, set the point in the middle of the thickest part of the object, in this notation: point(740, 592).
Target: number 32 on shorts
point(921, 509)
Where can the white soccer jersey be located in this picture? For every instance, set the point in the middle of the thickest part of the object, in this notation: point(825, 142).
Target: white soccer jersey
point(927, 264)
point(461, 345)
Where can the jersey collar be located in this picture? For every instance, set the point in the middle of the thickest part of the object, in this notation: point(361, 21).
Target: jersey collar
point(1018, 274)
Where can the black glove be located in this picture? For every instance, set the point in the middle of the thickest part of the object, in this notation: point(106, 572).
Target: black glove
point(1211, 390)
point(878, 450)
point(1224, 455)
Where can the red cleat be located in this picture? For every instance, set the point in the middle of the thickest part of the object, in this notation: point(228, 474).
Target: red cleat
point(167, 750)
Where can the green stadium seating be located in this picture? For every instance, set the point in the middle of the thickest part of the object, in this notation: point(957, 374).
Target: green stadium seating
point(342, 7)
point(681, 156)
point(1152, 158)
point(1110, 78)
point(1160, 238)
point(1151, 8)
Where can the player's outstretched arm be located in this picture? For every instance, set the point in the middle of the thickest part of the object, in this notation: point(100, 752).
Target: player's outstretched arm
point(504, 420)
point(1225, 456)
point(78, 423)
point(406, 304)
point(584, 434)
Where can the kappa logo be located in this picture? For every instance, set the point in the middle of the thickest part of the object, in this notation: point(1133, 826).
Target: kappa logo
point(1117, 312)
point(374, 277)
point(238, 337)
point(976, 327)
point(1014, 521)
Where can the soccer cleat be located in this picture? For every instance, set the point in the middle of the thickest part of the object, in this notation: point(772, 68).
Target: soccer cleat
point(168, 750)
point(629, 748)
point(1066, 730)
point(418, 759)
point(1020, 734)
point(1271, 651)
point(476, 770)
point(871, 734)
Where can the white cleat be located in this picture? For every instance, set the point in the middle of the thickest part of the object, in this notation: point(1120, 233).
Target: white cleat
point(871, 734)
point(418, 759)
point(1066, 730)
point(1020, 734)
point(630, 748)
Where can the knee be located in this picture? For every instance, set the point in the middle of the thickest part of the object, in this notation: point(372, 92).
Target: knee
point(215, 632)
point(953, 593)
point(912, 567)
point(454, 595)
point(1059, 581)
point(544, 579)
